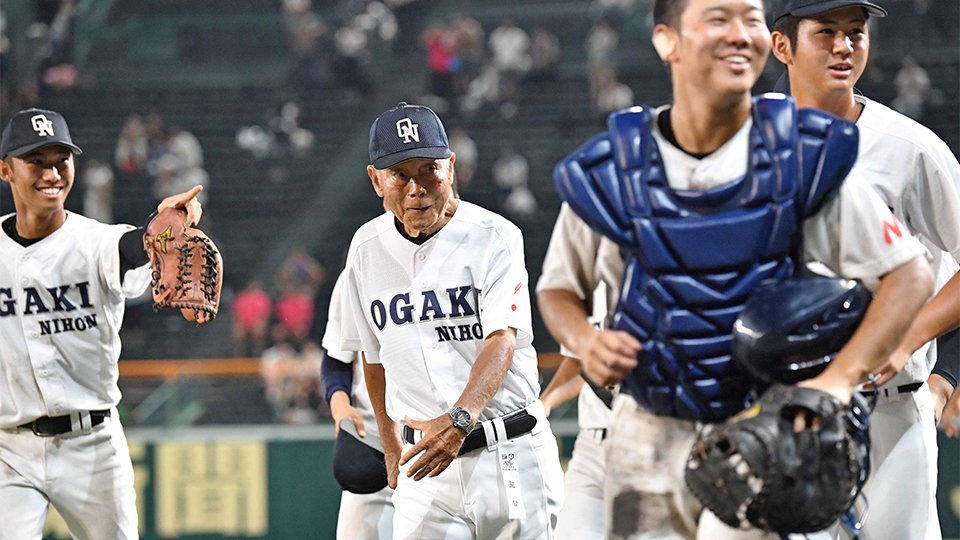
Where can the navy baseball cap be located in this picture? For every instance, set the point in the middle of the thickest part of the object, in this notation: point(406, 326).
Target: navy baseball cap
point(358, 467)
point(809, 8)
point(35, 128)
point(407, 132)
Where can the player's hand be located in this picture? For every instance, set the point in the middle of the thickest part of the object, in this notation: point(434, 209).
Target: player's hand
point(832, 384)
point(610, 356)
point(437, 449)
point(186, 200)
point(391, 458)
point(951, 415)
point(946, 404)
point(940, 389)
point(341, 409)
point(894, 364)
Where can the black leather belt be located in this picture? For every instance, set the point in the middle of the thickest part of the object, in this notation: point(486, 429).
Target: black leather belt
point(902, 389)
point(48, 426)
point(515, 424)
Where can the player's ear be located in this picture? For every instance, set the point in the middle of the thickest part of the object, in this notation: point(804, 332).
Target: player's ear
point(665, 42)
point(375, 180)
point(781, 48)
point(6, 171)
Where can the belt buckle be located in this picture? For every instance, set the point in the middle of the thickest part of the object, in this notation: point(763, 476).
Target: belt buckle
point(33, 428)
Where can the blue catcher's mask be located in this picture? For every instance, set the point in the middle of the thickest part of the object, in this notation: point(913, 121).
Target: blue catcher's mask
point(789, 331)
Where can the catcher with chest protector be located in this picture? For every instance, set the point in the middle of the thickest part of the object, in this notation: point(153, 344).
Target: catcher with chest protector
point(708, 197)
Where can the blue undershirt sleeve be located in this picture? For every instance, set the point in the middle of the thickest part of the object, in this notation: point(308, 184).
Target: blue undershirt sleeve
point(335, 375)
point(948, 356)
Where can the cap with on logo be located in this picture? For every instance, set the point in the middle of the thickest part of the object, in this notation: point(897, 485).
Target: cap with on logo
point(35, 128)
point(809, 8)
point(407, 132)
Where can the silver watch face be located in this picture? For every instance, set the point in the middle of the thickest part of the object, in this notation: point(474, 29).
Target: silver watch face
point(461, 418)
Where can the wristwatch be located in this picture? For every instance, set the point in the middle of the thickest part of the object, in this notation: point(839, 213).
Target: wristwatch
point(461, 419)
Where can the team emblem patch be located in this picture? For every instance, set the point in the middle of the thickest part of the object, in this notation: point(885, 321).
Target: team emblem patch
point(162, 238)
point(408, 131)
point(42, 125)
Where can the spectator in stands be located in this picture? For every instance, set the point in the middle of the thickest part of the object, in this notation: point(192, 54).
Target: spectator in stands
point(132, 149)
point(57, 67)
point(468, 37)
point(181, 166)
point(294, 313)
point(544, 54)
point(305, 29)
point(913, 88)
point(251, 319)
point(156, 131)
point(511, 174)
point(443, 63)
point(601, 46)
point(510, 46)
point(484, 90)
point(301, 271)
point(171, 179)
point(291, 377)
point(350, 50)
point(45, 53)
point(378, 20)
point(97, 180)
point(612, 95)
point(184, 147)
point(466, 150)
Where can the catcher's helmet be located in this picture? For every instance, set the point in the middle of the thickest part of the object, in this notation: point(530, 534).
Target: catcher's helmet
point(790, 331)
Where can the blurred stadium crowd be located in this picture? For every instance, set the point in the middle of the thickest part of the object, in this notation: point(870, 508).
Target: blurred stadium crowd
point(267, 104)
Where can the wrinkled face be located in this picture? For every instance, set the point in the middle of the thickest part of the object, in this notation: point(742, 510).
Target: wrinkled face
point(831, 50)
point(41, 180)
point(417, 191)
point(721, 46)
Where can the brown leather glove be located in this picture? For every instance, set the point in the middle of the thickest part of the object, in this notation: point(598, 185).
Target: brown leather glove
point(186, 267)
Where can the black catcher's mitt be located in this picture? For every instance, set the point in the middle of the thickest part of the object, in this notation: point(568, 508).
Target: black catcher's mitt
point(754, 471)
point(186, 267)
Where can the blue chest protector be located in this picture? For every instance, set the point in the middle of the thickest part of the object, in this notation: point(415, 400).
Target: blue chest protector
point(694, 258)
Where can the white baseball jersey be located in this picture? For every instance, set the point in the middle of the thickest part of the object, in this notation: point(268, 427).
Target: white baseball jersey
point(918, 177)
point(61, 306)
point(579, 260)
point(331, 342)
point(361, 516)
point(423, 311)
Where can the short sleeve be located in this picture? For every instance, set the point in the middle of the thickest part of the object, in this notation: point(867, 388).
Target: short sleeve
point(571, 256)
point(505, 292)
point(857, 236)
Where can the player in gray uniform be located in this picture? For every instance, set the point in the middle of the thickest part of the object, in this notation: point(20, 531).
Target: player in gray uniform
point(436, 298)
point(694, 156)
point(63, 282)
point(825, 45)
point(579, 281)
point(582, 512)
